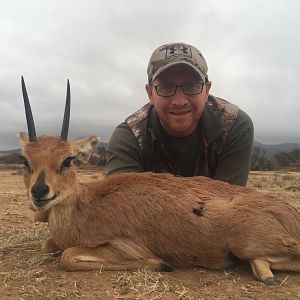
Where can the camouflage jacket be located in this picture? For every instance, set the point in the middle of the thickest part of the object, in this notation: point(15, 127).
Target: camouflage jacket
point(155, 154)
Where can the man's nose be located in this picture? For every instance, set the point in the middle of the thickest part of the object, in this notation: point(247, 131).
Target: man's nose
point(179, 98)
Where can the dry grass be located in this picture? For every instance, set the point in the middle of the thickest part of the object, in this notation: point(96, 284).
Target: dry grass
point(144, 283)
point(275, 181)
point(285, 185)
point(23, 241)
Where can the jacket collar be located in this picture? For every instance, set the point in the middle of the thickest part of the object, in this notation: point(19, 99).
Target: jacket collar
point(211, 127)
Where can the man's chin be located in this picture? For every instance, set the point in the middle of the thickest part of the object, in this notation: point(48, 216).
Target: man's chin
point(179, 131)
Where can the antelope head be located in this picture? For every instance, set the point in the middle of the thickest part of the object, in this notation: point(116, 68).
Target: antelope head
point(49, 173)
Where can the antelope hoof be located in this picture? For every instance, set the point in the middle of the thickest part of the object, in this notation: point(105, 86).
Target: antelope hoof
point(49, 246)
point(270, 281)
point(165, 267)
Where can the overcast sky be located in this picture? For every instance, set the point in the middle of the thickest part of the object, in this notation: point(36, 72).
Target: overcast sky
point(252, 48)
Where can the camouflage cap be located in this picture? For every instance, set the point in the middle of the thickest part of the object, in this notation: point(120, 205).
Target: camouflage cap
point(172, 54)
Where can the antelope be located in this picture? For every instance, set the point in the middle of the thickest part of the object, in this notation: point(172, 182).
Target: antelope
point(134, 220)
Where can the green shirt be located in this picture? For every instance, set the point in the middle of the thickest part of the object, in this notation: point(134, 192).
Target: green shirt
point(125, 155)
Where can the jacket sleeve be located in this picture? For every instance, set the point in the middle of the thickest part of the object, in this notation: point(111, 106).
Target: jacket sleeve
point(233, 163)
point(123, 152)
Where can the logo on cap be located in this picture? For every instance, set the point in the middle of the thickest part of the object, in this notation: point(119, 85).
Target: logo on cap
point(176, 49)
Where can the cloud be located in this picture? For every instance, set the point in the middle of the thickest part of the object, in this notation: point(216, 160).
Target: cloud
point(251, 47)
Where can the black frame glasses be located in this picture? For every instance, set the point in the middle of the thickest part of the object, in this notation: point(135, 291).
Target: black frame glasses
point(169, 90)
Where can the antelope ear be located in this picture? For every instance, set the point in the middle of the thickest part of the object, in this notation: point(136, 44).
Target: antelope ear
point(23, 137)
point(85, 147)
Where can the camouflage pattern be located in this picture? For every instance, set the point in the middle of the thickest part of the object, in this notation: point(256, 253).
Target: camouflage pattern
point(177, 53)
point(137, 122)
point(227, 113)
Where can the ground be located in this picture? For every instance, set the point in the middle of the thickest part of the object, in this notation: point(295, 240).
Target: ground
point(27, 274)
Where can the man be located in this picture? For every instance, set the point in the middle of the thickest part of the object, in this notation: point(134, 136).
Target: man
point(183, 129)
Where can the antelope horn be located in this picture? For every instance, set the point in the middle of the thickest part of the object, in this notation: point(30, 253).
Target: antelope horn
point(66, 121)
point(28, 112)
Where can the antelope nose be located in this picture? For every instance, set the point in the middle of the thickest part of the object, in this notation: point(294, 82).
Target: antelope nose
point(39, 190)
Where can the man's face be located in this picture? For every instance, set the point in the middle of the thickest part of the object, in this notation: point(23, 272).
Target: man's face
point(178, 114)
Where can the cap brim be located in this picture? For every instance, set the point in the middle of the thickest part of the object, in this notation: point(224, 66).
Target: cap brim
point(163, 68)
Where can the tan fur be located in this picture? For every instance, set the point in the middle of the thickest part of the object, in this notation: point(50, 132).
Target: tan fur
point(134, 219)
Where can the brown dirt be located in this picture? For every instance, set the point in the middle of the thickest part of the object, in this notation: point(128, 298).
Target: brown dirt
point(27, 274)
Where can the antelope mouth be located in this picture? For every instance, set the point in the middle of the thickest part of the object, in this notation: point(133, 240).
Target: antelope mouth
point(43, 202)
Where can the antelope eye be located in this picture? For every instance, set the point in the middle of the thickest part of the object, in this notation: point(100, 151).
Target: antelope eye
point(26, 163)
point(66, 163)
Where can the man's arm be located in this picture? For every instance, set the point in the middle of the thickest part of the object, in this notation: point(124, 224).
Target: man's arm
point(234, 162)
point(123, 152)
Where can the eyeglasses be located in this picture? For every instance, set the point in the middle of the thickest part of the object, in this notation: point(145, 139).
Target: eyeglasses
point(190, 89)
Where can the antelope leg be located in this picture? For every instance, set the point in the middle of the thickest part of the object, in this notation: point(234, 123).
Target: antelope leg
point(112, 256)
point(262, 271)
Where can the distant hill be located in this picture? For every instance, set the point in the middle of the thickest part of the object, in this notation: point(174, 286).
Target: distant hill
point(9, 152)
point(102, 145)
point(17, 151)
point(13, 156)
point(271, 150)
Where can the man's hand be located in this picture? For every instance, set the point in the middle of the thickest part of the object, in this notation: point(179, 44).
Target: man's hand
point(38, 216)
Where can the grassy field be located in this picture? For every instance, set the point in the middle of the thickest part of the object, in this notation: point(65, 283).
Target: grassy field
point(27, 274)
